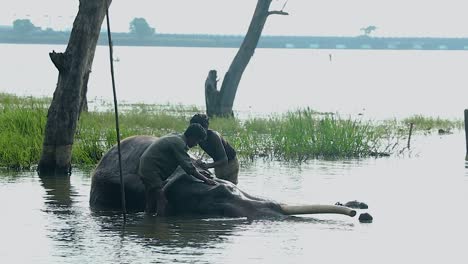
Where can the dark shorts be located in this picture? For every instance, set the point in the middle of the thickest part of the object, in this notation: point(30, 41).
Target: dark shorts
point(153, 183)
point(151, 201)
point(228, 172)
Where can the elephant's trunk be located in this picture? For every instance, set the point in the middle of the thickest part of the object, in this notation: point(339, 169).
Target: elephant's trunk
point(316, 209)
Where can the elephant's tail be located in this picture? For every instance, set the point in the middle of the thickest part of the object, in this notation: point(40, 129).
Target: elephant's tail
point(316, 209)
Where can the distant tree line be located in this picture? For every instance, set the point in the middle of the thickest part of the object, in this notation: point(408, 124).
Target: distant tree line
point(24, 26)
point(139, 28)
point(141, 33)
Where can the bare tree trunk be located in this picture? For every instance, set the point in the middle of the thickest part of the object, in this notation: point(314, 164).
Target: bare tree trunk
point(212, 94)
point(74, 66)
point(84, 91)
point(233, 76)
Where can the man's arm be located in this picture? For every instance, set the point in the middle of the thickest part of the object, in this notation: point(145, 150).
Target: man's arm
point(203, 178)
point(220, 153)
point(185, 163)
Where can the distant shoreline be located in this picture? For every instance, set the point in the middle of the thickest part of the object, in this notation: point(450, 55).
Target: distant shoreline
point(230, 41)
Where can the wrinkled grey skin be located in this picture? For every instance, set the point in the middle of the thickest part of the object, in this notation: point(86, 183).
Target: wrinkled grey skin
point(354, 204)
point(185, 194)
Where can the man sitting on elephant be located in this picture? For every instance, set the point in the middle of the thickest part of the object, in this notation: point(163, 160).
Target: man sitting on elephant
point(161, 159)
point(223, 154)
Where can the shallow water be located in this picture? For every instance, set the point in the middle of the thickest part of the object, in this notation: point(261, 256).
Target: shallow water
point(418, 202)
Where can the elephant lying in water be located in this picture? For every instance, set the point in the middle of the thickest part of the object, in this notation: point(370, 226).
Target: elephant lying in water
point(185, 194)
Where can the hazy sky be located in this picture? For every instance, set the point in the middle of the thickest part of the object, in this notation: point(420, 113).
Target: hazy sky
point(447, 18)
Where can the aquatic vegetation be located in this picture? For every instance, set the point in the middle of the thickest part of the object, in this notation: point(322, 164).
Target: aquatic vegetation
point(22, 123)
point(303, 135)
point(296, 135)
point(433, 123)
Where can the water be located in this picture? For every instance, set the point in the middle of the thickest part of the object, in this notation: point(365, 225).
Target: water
point(418, 202)
point(380, 84)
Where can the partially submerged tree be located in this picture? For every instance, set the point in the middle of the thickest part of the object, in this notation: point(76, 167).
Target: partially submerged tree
point(219, 103)
point(74, 66)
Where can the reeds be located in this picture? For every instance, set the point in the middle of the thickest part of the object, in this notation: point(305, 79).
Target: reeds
point(302, 135)
point(22, 122)
point(433, 123)
point(297, 135)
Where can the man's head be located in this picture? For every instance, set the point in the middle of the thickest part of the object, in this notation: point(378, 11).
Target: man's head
point(201, 119)
point(194, 134)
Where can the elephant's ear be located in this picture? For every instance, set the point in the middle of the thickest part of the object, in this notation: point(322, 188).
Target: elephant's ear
point(179, 175)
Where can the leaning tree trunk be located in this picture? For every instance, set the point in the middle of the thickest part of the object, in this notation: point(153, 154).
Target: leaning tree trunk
point(74, 66)
point(225, 99)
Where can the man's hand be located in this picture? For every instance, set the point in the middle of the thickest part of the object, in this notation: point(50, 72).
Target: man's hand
point(210, 182)
point(206, 173)
point(201, 164)
point(201, 177)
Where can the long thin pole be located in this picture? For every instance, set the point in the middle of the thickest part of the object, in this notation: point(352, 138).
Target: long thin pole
point(111, 57)
point(466, 132)
point(410, 132)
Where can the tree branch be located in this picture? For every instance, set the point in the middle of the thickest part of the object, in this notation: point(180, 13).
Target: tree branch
point(278, 13)
point(60, 60)
point(285, 3)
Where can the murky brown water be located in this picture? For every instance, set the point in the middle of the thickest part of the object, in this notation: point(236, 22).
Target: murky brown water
point(418, 203)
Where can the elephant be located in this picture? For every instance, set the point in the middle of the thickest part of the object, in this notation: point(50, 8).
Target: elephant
point(354, 204)
point(186, 195)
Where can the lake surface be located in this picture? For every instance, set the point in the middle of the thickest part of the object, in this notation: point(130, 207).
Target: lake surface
point(378, 83)
point(418, 202)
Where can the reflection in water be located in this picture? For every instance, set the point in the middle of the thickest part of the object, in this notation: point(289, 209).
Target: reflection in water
point(343, 224)
point(180, 232)
point(58, 192)
point(64, 227)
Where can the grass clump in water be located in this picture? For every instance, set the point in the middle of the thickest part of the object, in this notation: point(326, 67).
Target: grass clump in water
point(22, 123)
point(430, 123)
point(303, 135)
point(297, 135)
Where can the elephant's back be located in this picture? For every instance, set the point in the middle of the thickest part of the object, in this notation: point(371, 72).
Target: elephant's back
point(105, 185)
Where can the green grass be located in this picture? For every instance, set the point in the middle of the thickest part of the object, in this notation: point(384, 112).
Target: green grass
point(303, 135)
point(430, 123)
point(22, 122)
point(297, 135)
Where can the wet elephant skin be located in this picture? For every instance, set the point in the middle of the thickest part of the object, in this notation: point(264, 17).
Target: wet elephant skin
point(185, 194)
